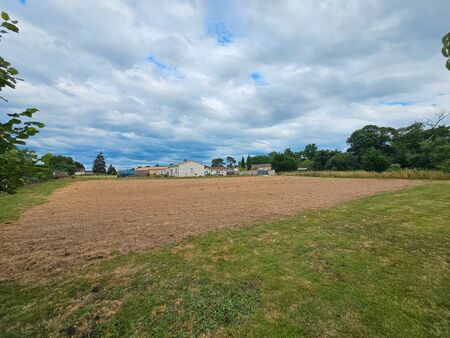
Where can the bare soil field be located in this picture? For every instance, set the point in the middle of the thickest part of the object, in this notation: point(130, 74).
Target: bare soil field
point(90, 220)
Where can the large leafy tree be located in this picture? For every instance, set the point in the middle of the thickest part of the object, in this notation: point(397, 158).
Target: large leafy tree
point(371, 136)
point(231, 162)
point(342, 161)
point(283, 162)
point(446, 49)
point(217, 162)
point(15, 130)
point(321, 158)
point(99, 165)
point(61, 163)
point(310, 151)
point(375, 160)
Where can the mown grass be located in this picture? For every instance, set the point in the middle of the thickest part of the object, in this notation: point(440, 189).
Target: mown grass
point(12, 206)
point(402, 174)
point(377, 267)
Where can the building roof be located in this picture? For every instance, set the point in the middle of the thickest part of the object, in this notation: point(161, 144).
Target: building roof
point(261, 165)
point(146, 168)
point(183, 162)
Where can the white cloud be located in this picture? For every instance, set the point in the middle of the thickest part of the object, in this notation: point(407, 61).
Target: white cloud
point(323, 70)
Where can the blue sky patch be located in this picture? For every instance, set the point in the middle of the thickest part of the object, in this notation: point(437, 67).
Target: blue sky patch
point(167, 69)
point(397, 103)
point(258, 79)
point(23, 1)
point(219, 30)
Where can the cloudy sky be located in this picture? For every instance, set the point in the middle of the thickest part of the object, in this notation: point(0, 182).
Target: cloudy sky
point(158, 81)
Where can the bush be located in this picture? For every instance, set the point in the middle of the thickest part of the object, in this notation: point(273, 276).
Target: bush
point(394, 167)
point(17, 167)
point(307, 164)
point(282, 162)
point(375, 160)
point(445, 166)
point(341, 162)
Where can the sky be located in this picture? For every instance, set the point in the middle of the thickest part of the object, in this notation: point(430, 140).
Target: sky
point(149, 82)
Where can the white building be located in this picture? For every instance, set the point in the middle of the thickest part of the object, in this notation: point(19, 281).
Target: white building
point(186, 169)
point(217, 171)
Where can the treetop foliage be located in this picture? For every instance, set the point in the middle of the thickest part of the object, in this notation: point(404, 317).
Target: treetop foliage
point(446, 49)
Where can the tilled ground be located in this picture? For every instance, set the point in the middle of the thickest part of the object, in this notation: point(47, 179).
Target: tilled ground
point(89, 220)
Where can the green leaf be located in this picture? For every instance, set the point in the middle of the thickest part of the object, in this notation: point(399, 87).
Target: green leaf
point(23, 136)
point(15, 121)
point(12, 71)
point(38, 124)
point(448, 64)
point(10, 27)
point(29, 112)
point(446, 38)
point(31, 131)
point(5, 16)
point(445, 52)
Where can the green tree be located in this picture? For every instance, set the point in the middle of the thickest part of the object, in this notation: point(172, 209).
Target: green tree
point(260, 159)
point(375, 160)
point(99, 165)
point(371, 136)
point(61, 163)
point(217, 162)
point(289, 152)
point(112, 171)
point(248, 163)
point(242, 163)
point(307, 164)
point(310, 151)
point(231, 162)
point(341, 162)
point(17, 167)
point(321, 158)
point(446, 49)
point(282, 162)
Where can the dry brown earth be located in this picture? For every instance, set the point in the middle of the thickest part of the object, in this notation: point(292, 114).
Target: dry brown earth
point(89, 220)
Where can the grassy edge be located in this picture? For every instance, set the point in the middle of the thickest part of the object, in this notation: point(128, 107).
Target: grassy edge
point(12, 206)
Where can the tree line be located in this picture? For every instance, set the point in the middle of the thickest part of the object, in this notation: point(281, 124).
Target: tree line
point(420, 145)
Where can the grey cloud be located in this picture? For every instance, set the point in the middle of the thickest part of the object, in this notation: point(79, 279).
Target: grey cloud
point(328, 66)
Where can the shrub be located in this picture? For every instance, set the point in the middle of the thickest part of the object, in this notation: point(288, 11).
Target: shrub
point(375, 160)
point(17, 167)
point(342, 162)
point(394, 167)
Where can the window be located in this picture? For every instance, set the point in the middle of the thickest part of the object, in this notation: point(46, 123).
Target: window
point(192, 170)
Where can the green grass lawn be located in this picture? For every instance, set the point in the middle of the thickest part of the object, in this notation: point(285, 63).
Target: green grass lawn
point(11, 206)
point(377, 267)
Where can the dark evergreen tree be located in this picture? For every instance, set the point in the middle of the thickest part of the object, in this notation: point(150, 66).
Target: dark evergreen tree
point(99, 165)
point(248, 163)
point(242, 163)
point(112, 170)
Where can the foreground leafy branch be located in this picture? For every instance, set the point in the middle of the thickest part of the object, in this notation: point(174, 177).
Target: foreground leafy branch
point(446, 49)
point(15, 164)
